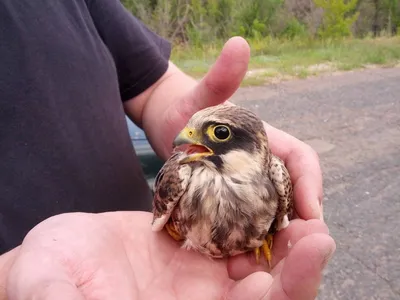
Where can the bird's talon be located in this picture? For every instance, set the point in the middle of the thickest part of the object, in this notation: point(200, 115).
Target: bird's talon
point(173, 232)
point(266, 248)
point(270, 240)
point(257, 254)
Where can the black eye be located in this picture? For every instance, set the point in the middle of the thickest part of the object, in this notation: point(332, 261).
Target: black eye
point(222, 132)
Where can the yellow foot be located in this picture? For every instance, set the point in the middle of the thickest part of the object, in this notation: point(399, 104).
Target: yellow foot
point(172, 232)
point(266, 248)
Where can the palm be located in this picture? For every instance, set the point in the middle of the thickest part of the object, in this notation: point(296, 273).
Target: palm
point(179, 274)
point(116, 256)
point(166, 269)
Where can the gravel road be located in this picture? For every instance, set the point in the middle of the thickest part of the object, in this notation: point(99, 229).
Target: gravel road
point(353, 121)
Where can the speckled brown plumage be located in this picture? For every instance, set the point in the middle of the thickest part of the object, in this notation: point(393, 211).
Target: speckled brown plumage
point(223, 201)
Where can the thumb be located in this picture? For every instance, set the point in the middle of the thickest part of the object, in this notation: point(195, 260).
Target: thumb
point(222, 80)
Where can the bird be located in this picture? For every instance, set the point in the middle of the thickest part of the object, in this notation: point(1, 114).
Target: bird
point(222, 192)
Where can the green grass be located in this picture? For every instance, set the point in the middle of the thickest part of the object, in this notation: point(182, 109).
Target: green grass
point(273, 58)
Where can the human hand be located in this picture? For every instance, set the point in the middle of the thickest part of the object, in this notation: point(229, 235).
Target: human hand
point(117, 256)
point(222, 80)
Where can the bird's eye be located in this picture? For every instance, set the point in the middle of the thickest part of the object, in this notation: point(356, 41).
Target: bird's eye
point(222, 132)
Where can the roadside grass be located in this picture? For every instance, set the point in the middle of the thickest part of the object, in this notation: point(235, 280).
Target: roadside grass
point(273, 59)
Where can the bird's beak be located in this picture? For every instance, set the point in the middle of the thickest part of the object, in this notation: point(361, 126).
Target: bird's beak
point(196, 149)
point(186, 136)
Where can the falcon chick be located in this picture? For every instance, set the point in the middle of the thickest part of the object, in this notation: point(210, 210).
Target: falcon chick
point(222, 192)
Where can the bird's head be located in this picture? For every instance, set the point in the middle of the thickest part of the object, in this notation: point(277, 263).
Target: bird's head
point(224, 135)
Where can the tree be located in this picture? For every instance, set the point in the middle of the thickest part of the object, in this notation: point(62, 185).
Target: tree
point(391, 8)
point(338, 18)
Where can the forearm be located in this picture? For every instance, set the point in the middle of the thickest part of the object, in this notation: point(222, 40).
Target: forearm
point(6, 261)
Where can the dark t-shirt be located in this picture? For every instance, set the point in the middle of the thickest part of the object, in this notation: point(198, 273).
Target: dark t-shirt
point(66, 68)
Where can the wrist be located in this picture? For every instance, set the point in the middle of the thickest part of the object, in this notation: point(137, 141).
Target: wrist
point(6, 261)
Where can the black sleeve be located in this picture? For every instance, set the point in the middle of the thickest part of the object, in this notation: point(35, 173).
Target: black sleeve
point(140, 55)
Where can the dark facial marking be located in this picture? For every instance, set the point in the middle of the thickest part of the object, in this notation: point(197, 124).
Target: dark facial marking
point(244, 138)
point(216, 160)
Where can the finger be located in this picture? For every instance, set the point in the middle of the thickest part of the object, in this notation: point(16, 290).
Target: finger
point(242, 265)
point(255, 286)
point(285, 240)
point(302, 269)
point(221, 81)
point(303, 165)
point(306, 190)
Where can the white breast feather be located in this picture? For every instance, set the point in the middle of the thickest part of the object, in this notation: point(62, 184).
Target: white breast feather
point(214, 205)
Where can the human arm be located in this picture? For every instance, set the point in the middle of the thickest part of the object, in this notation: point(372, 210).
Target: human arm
point(161, 98)
point(165, 107)
point(116, 256)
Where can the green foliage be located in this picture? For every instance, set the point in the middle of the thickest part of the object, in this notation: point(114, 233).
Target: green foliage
point(277, 58)
point(281, 33)
point(257, 16)
point(392, 9)
point(200, 22)
point(294, 29)
point(339, 16)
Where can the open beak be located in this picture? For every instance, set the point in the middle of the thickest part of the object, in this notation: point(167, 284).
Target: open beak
point(195, 150)
point(186, 136)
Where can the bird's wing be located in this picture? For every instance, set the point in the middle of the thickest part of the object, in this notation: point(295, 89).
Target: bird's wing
point(280, 178)
point(170, 184)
